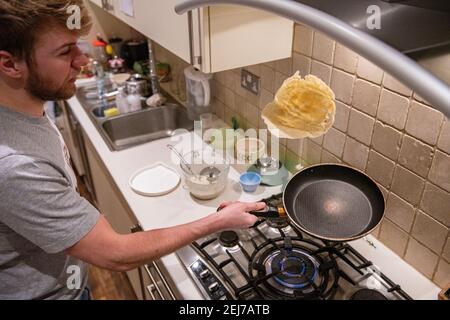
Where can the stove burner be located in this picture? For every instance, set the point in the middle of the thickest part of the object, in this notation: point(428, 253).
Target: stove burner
point(229, 239)
point(277, 223)
point(367, 294)
point(297, 269)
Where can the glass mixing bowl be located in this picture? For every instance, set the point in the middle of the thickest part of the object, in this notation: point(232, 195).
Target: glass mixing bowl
point(208, 176)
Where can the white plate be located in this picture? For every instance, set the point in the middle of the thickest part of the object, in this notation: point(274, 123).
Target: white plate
point(155, 180)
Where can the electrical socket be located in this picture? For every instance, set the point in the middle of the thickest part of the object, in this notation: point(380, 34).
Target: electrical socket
point(250, 82)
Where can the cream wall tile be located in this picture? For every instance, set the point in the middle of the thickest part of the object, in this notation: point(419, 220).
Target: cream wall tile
point(318, 140)
point(380, 168)
point(267, 78)
point(436, 202)
point(430, 232)
point(360, 126)
point(329, 158)
point(342, 116)
point(321, 71)
point(279, 79)
point(266, 98)
point(252, 115)
point(303, 40)
point(416, 156)
point(301, 63)
point(334, 142)
point(240, 104)
point(229, 99)
point(395, 85)
point(219, 108)
point(408, 185)
point(440, 171)
point(393, 237)
point(366, 97)
point(345, 59)
point(342, 85)
point(421, 258)
point(311, 152)
point(323, 48)
point(369, 71)
point(446, 253)
point(400, 212)
point(295, 145)
point(356, 154)
point(442, 276)
point(253, 98)
point(393, 109)
point(387, 140)
point(255, 69)
point(444, 139)
point(284, 66)
point(424, 123)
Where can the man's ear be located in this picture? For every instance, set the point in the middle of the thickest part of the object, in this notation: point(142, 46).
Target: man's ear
point(10, 66)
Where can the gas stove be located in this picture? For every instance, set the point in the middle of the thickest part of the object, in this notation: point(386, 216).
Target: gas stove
point(274, 260)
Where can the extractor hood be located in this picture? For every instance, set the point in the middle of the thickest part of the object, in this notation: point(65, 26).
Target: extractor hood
point(412, 43)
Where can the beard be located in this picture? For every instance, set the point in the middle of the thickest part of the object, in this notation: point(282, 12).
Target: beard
point(46, 90)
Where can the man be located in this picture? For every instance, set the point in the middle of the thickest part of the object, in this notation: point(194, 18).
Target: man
point(46, 228)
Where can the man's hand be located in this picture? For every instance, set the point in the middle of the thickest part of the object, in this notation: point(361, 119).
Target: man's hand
point(235, 215)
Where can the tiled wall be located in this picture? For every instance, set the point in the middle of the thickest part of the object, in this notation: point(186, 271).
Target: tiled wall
point(382, 128)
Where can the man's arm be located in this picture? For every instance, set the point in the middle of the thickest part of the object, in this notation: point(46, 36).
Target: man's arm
point(104, 248)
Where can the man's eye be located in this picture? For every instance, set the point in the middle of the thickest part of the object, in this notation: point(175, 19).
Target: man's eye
point(65, 52)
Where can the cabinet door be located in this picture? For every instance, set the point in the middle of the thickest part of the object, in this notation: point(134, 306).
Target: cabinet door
point(110, 203)
point(241, 36)
point(158, 21)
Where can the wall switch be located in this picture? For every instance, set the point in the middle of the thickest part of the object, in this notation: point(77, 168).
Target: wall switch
point(250, 82)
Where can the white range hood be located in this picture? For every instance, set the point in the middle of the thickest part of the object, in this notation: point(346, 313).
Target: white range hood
point(425, 83)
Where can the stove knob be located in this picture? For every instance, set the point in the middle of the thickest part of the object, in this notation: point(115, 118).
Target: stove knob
point(205, 274)
point(214, 287)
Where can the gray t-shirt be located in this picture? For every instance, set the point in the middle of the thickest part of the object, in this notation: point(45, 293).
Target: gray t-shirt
point(41, 212)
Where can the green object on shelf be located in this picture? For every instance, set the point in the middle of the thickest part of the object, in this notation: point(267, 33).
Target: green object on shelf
point(235, 123)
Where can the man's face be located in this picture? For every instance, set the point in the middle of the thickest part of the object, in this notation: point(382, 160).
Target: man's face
point(57, 62)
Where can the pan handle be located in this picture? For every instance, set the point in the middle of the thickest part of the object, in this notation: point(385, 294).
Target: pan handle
point(270, 212)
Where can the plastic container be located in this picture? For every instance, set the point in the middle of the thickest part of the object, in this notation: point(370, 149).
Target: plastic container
point(249, 150)
point(134, 100)
point(122, 101)
point(250, 181)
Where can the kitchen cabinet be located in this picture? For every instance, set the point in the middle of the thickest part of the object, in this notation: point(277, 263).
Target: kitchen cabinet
point(215, 38)
point(111, 204)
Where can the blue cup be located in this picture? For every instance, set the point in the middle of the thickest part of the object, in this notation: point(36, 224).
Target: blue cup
point(250, 181)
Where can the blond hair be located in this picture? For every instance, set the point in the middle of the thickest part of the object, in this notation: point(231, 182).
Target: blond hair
point(21, 22)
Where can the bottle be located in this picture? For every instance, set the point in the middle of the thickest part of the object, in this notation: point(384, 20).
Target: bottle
point(134, 99)
point(100, 81)
point(122, 101)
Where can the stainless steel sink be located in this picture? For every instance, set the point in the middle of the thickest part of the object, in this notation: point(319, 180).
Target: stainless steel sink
point(132, 129)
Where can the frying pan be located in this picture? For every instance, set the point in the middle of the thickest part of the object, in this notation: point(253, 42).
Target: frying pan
point(331, 202)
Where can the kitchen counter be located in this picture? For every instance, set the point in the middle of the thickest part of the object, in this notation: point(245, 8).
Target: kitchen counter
point(166, 211)
point(179, 208)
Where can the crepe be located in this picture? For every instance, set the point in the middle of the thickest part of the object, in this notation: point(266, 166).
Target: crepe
point(302, 108)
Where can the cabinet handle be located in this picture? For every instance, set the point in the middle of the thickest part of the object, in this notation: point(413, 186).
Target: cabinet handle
point(163, 279)
point(152, 279)
point(136, 228)
point(151, 289)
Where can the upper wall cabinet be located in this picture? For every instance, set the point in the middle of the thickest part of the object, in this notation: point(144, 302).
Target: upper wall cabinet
point(213, 39)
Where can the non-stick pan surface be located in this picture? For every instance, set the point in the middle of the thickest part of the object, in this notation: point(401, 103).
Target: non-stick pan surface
point(334, 202)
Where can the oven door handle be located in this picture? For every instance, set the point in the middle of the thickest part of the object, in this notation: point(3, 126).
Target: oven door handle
point(154, 283)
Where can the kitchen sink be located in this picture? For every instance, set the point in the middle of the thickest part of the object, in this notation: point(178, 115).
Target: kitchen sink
point(144, 126)
point(136, 128)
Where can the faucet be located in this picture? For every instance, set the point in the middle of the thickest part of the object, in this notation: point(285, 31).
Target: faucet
point(152, 66)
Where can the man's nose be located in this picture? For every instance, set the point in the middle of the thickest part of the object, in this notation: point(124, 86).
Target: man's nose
point(80, 61)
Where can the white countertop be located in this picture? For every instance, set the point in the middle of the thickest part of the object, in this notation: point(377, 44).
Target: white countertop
point(179, 208)
point(170, 210)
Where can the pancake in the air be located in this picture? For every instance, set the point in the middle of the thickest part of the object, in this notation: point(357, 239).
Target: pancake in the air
point(302, 108)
